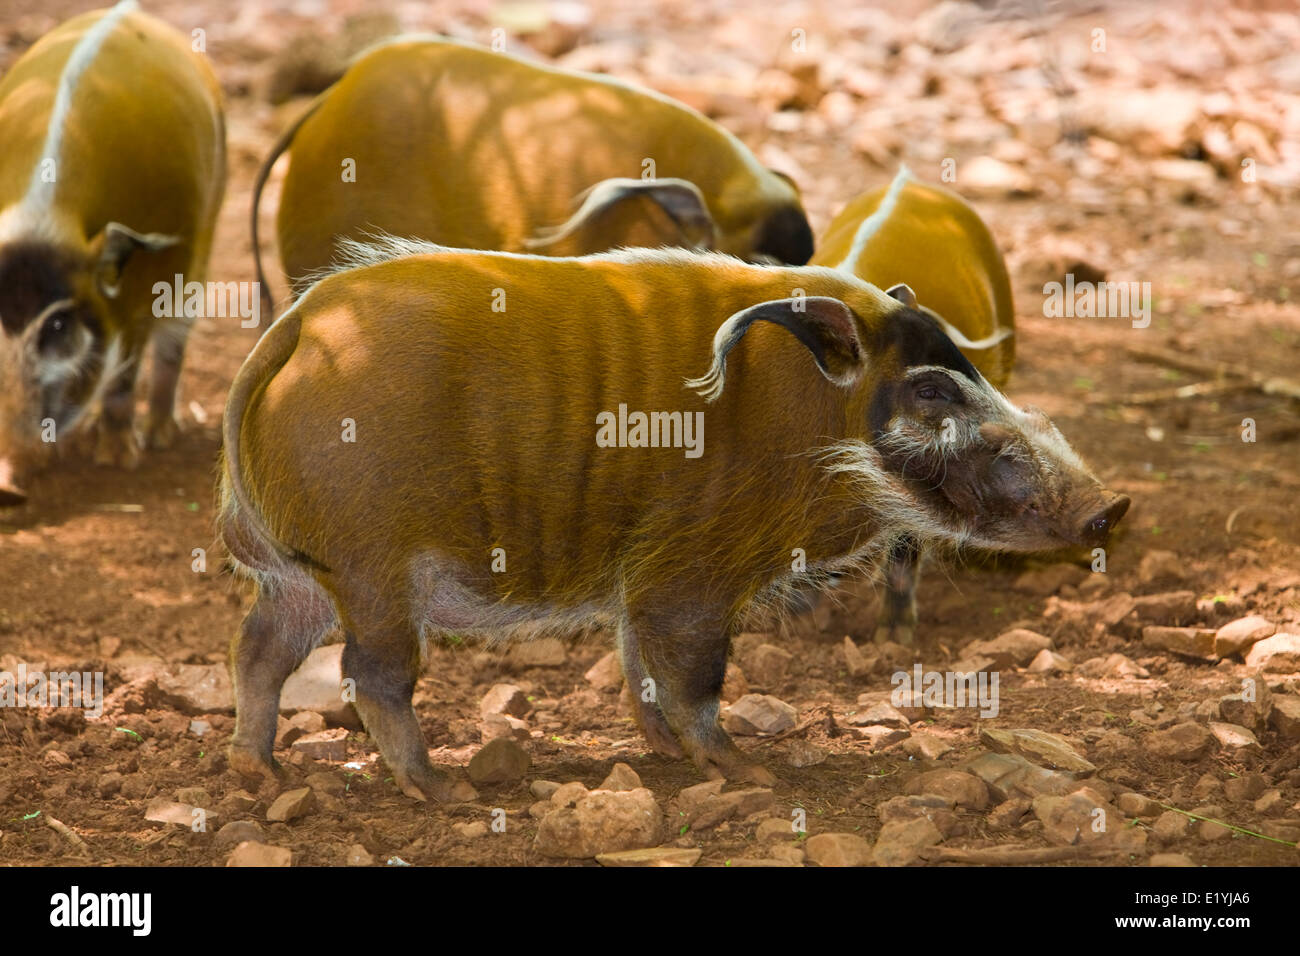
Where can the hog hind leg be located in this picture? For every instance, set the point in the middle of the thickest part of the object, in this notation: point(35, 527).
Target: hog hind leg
point(382, 657)
point(686, 663)
point(290, 616)
point(898, 609)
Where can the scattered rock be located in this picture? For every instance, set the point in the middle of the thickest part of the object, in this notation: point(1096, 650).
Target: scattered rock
point(1008, 814)
point(902, 841)
point(1113, 666)
point(238, 831)
point(329, 745)
point(1186, 742)
point(603, 821)
point(109, 784)
point(925, 746)
point(767, 665)
point(326, 782)
point(1161, 567)
point(963, 789)
point(837, 849)
point(358, 856)
point(252, 853)
point(992, 177)
point(1171, 607)
point(858, 663)
point(1277, 654)
point(1245, 788)
point(1170, 859)
point(568, 795)
point(691, 798)
point(498, 761)
point(1080, 817)
point(1038, 746)
point(1285, 717)
point(656, 856)
point(291, 805)
point(878, 737)
point(1188, 641)
point(197, 688)
point(606, 674)
point(1170, 826)
point(724, 806)
point(882, 714)
point(759, 714)
point(934, 807)
point(299, 725)
point(56, 760)
point(317, 685)
point(544, 789)
point(621, 777)
point(1049, 580)
point(1237, 637)
point(505, 699)
point(1049, 662)
point(236, 802)
point(1233, 736)
point(537, 652)
point(470, 831)
point(164, 810)
point(1014, 648)
point(1010, 775)
point(503, 725)
point(774, 828)
point(194, 796)
point(1253, 713)
point(1136, 805)
point(801, 753)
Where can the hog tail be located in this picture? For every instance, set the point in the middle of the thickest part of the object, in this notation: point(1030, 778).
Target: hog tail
point(264, 173)
point(268, 357)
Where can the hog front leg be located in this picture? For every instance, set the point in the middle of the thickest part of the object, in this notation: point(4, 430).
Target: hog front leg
point(116, 444)
point(648, 715)
point(686, 662)
point(168, 352)
point(898, 608)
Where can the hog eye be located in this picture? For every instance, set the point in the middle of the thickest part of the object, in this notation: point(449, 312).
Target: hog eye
point(932, 393)
point(1099, 525)
point(54, 330)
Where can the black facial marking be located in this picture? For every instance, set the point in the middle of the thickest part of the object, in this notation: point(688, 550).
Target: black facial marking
point(785, 235)
point(917, 339)
point(32, 275)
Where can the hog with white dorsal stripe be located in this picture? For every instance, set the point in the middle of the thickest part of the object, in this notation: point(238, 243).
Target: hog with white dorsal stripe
point(466, 147)
point(111, 174)
point(926, 244)
point(403, 462)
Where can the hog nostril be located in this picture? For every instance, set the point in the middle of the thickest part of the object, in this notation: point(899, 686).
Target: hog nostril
point(1101, 524)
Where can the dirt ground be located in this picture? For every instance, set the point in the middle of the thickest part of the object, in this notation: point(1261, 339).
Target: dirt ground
point(1095, 174)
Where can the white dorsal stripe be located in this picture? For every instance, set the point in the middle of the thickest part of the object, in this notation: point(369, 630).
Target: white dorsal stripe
point(871, 225)
point(959, 339)
point(40, 194)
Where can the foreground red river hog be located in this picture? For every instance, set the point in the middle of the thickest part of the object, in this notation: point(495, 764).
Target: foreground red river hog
point(439, 140)
point(406, 462)
point(112, 166)
point(933, 247)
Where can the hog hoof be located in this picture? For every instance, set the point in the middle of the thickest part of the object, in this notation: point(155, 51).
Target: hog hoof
point(248, 763)
point(898, 634)
point(162, 433)
point(117, 448)
point(661, 740)
point(431, 783)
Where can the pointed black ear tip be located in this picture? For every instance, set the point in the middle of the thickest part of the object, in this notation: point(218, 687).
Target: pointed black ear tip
point(903, 293)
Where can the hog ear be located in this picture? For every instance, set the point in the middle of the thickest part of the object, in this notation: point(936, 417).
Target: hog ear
point(903, 293)
point(826, 326)
point(114, 246)
point(680, 198)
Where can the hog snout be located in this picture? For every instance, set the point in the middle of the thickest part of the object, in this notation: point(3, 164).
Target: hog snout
point(1095, 529)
